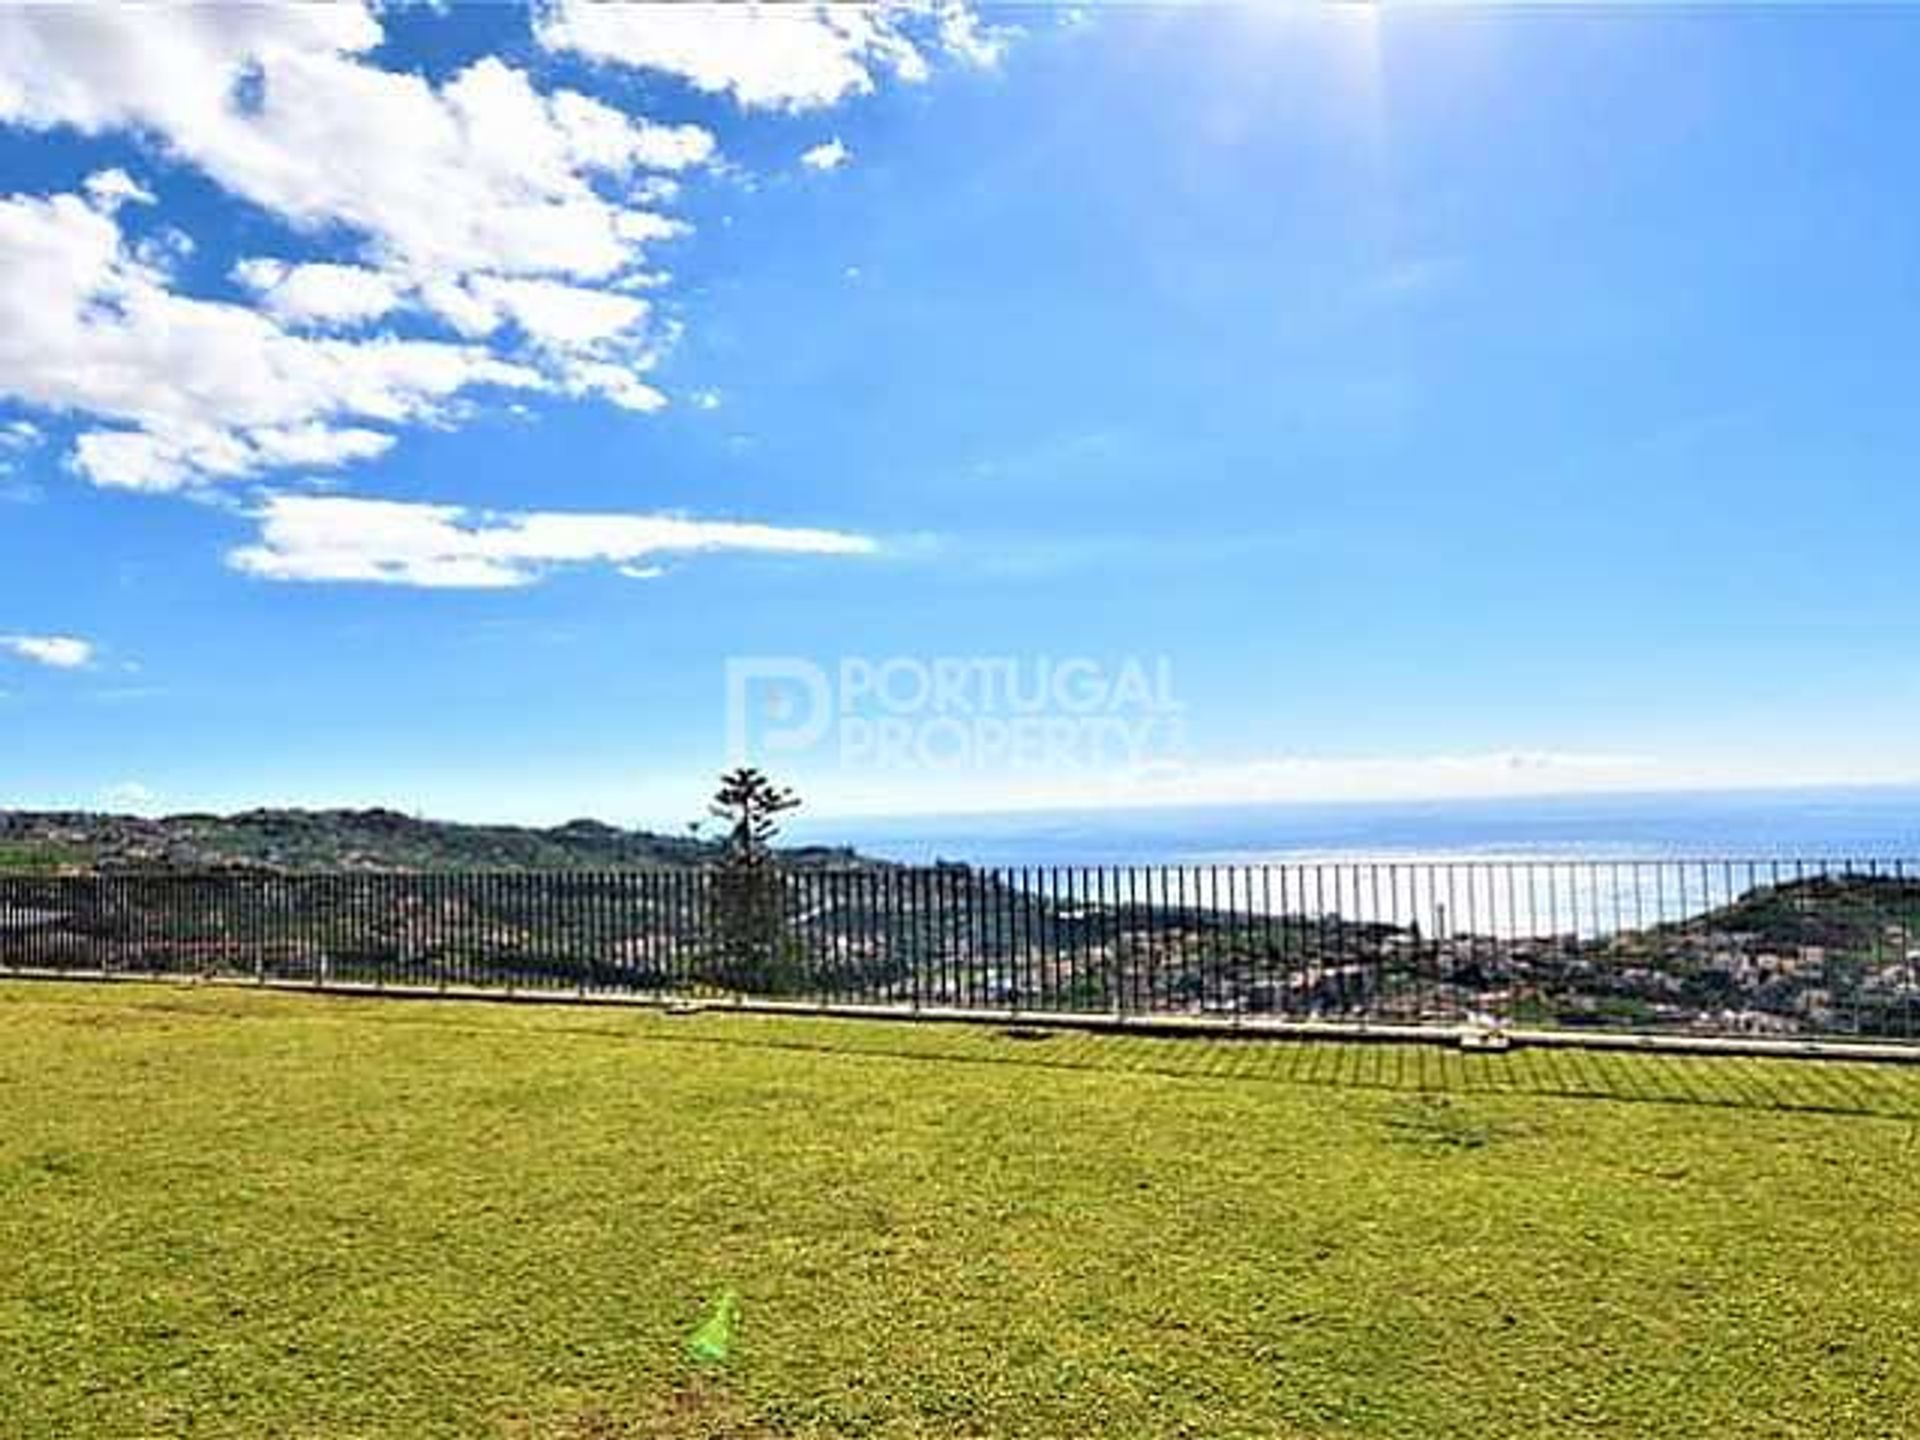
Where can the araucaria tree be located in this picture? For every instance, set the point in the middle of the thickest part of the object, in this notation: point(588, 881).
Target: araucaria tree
point(748, 891)
point(751, 805)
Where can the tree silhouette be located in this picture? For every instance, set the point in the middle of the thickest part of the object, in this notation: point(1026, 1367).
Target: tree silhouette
point(749, 893)
point(751, 806)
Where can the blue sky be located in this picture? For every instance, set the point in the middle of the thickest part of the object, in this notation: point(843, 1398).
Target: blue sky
point(422, 408)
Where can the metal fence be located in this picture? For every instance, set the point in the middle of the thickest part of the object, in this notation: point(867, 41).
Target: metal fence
point(1770, 948)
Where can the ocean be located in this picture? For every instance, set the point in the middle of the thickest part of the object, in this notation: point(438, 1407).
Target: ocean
point(1851, 824)
point(1398, 862)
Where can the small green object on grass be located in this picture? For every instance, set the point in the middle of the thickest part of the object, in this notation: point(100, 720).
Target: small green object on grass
point(712, 1340)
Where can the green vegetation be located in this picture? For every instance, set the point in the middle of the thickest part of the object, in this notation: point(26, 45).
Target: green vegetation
point(235, 1214)
point(1853, 912)
point(36, 858)
point(347, 840)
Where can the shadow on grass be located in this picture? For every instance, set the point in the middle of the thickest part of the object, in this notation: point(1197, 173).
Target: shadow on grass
point(1819, 1087)
point(1752, 1083)
point(1829, 1087)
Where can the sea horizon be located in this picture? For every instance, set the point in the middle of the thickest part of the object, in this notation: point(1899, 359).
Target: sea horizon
point(1867, 823)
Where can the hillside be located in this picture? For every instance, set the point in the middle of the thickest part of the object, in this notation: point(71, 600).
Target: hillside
point(340, 840)
point(1861, 911)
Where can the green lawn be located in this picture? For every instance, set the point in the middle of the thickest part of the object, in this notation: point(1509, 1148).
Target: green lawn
point(236, 1214)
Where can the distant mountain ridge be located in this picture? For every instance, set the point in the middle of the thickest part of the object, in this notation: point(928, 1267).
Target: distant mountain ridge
point(375, 839)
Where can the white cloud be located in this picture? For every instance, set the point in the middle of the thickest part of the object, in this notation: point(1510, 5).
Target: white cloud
point(481, 203)
point(827, 155)
point(593, 340)
point(1342, 777)
point(602, 138)
point(513, 225)
point(483, 172)
point(784, 56)
point(16, 438)
point(337, 538)
point(107, 67)
point(706, 399)
point(320, 294)
point(61, 652)
point(167, 459)
point(110, 189)
point(964, 37)
point(163, 250)
point(1289, 779)
point(558, 316)
point(196, 388)
point(611, 382)
point(316, 445)
point(129, 797)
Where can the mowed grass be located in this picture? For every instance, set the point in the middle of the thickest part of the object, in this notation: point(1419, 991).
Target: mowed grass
point(235, 1214)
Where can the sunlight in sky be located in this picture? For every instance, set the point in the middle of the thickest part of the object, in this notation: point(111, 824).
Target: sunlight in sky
point(429, 405)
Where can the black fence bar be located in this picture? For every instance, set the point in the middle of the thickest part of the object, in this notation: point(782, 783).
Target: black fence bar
point(1768, 948)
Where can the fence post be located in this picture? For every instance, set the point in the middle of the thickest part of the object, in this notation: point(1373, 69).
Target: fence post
point(377, 900)
point(581, 952)
point(917, 927)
